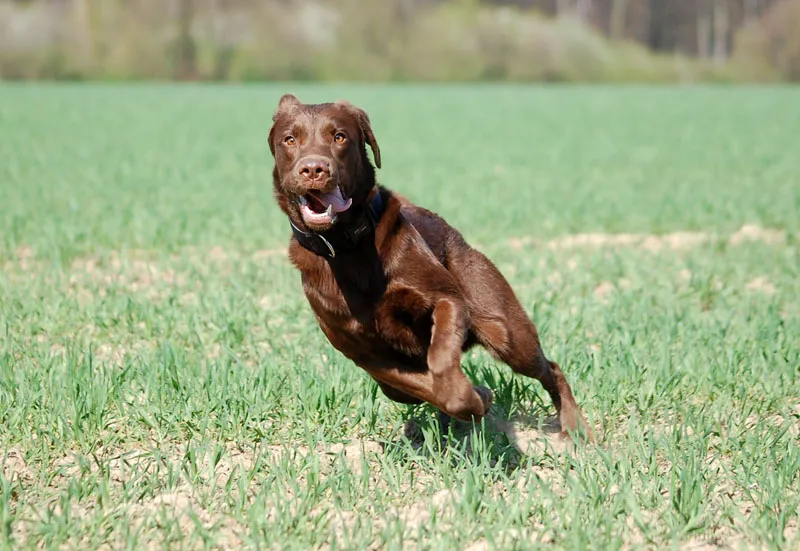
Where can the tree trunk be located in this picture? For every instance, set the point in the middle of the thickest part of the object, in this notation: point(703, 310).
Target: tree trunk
point(574, 8)
point(703, 30)
point(83, 33)
point(658, 25)
point(646, 24)
point(721, 30)
point(751, 10)
point(619, 9)
point(185, 50)
point(224, 50)
point(583, 9)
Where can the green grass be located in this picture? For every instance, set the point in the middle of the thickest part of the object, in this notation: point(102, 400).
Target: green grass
point(163, 383)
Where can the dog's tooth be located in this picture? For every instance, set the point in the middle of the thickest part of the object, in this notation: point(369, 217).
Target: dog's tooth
point(330, 210)
point(302, 200)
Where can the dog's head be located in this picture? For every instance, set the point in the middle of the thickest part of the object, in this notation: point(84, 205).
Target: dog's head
point(322, 170)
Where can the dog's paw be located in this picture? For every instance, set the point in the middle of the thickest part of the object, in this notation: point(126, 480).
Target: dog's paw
point(486, 397)
point(575, 426)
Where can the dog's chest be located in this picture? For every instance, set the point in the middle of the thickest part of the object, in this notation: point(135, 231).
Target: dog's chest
point(397, 320)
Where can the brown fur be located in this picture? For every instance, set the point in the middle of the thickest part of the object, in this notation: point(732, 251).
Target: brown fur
point(410, 299)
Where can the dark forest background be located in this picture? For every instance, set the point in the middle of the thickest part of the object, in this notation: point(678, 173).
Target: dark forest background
point(398, 40)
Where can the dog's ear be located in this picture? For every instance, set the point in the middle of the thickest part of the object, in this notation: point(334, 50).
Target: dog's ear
point(366, 128)
point(270, 140)
point(287, 102)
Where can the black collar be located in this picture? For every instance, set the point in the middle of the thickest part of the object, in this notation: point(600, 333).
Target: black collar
point(342, 238)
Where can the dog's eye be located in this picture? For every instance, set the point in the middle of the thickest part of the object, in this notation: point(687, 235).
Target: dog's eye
point(339, 137)
point(289, 140)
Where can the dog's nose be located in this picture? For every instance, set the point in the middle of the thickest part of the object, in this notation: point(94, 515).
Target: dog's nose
point(313, 169)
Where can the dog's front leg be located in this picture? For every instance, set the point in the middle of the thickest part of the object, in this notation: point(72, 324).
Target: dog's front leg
point(455, 394)
point(443, 385)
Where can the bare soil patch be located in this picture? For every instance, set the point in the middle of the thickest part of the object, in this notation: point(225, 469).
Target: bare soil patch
point(761, 285)
point(676, 241)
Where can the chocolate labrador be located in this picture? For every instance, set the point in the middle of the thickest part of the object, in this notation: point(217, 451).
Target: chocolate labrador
point(393, 287)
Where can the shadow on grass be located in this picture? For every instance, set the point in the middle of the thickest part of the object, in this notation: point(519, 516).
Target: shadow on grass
point(498, 441)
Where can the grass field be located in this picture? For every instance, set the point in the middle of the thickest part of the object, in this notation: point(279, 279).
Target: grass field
point(163, 383)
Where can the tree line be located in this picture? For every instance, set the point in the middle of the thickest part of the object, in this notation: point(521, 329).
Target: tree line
point(702, 28)
point(556, 40)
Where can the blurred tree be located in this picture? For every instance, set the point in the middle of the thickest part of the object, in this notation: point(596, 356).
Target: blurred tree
point(185, 57)
point(220, 39)
point(619, 10)
point(704, 20)
point(721, 30)
point(574, 8)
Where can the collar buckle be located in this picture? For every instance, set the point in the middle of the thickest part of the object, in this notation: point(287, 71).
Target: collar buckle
point(328, 244)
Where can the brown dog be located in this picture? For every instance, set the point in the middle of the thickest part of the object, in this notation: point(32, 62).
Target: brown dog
point(394, 287)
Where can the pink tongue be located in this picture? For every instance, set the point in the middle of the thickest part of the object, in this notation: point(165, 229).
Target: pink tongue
point(335, 198)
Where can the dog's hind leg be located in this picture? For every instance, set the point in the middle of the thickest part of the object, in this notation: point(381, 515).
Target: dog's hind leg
point(501, 325)
point(520, 349)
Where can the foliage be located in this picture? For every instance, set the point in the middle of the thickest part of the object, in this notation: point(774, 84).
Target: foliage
point(771, 45)
point(330, 41)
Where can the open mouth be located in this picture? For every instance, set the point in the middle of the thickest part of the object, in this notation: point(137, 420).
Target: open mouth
point(320, 208)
